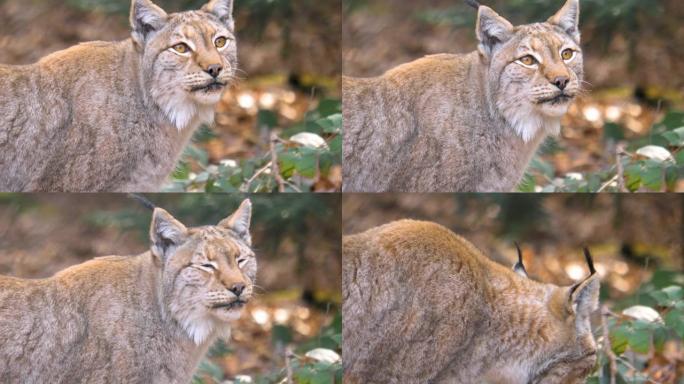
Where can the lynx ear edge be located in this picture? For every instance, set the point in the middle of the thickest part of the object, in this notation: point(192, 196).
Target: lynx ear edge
point(491, 30)
point(584, 296)
point(223, 9)
point(568, 19)
point(239, 221)
point(165, 232)
point(145, 18)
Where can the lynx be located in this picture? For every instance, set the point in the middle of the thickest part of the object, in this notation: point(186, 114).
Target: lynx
point(115, 116)
point(423, 305)
point(467, 122)
point(130, 319)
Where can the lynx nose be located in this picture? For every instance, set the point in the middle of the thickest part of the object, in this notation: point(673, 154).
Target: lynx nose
point(237, 289)
point(561, 82)
point(214, 70)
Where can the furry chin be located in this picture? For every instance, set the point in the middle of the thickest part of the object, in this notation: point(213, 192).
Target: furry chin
point(185, 113)
point(555, 110)
point(207, 97)
point(202, 328)
point(528, 123)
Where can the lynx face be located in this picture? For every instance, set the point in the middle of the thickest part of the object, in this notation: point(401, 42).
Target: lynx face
point(535, 70)
point(569, 351)
point(573, 351)
point(188, 57)
point(207, 273)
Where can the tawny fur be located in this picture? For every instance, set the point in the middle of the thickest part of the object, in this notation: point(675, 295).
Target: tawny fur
point(129, 319)
point(422, 305)
point(462, 122)
point(113, 116)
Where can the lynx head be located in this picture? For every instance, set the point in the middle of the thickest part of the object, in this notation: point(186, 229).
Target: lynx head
point(534, 70)
point(188, 58)
point(207, 272)
point(559, 329)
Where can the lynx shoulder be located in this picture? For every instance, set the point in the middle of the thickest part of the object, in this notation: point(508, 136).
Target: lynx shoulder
point(468, 122)
point(130, 319)
point(423, 305)
point(115, 116)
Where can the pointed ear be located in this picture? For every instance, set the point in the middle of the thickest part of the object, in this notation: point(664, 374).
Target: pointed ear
point(491, 30)
point(165, 233)
point(583, 300)
point(568, 19)
point(223, 9)
point(145, 18)
point(239, 221)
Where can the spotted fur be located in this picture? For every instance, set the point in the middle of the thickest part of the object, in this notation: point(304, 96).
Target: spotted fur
point(468, 123)
point(130, 319)
point(115, 116)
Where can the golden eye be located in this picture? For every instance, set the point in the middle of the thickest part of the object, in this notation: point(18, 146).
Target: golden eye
point(528, 60)
point(567, 54)
point(181, 48)
point(220, 42)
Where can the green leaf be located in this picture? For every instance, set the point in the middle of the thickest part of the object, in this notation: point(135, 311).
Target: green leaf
point(633, 176)
point(675, 137)
point(327, 107)
point(281, 335)
point(527, 183)
point(672, 120)
point(204, 134)
point(182, 171)
point(660, 336)
point(652, 175)
point(306, 164)
point(267, 118)
point(331, 124)
point(640, 339)
point(336, 146)
point(196, 153)
point(613, 131)
point(679, 157)
point(286, 163)
point(674, 292)
point(669, 296)
point(206, 367)
point(619, 339)
point(218, 349)
point(675, 320)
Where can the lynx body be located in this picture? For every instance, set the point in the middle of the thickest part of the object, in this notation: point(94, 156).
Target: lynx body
point(422, 305)
point(136, 319)
point(115, 116)
point(469, 123)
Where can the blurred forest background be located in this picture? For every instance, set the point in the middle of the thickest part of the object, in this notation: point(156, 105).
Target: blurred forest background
point(286, 106)
point(638, 246)
point(296, 239)
point(625, 134)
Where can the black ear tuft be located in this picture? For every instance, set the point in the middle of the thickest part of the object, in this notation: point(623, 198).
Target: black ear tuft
point(590, 262)
point(519, 267)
